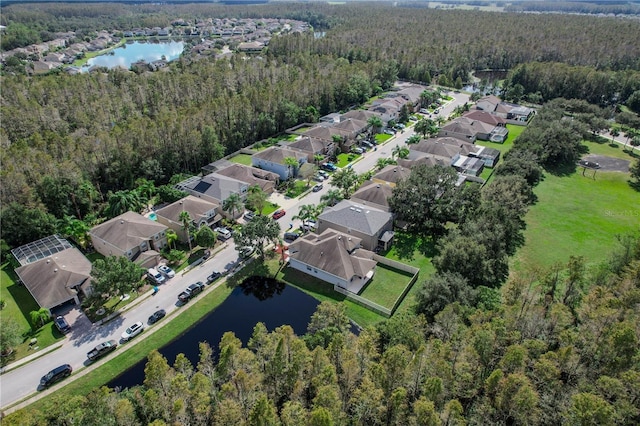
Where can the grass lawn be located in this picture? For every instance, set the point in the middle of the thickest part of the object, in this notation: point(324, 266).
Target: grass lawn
point(608, 148)
point(577, 215)
point(241, 159)
point(345, 158)
point(382, 138)
point(269, 208)
point(385, 287)
point(486, 173)
point(94, 256)
point(514, 132)
point(18, 303)
point(299, 186)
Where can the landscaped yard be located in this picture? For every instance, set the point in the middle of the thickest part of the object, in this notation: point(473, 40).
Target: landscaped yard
point(577, 215)
point(269, 208)
point(241, 159)
point(345, 158)
point(385, 287)
point(382, 137)
point(514, 132)
point(18, 304)
point(298, 187)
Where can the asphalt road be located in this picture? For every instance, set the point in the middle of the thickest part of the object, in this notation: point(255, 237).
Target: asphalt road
point(22, 382)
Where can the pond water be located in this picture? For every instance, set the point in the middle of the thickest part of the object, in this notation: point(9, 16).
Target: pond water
point(136, 51)
point(486, 80)
point(258, 299)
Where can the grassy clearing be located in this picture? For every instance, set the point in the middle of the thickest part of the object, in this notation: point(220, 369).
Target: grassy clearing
point(18, 304)
point(577, 215)
point(611, 149)
point(244, 159)
point(385, 287)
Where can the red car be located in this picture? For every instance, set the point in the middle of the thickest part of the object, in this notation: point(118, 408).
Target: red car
point(278, 214)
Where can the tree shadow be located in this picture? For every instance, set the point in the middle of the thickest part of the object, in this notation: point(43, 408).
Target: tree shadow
point(635, 185)
point(262, 287)
point(239, 274)
point(405, 245)
point(561, 169)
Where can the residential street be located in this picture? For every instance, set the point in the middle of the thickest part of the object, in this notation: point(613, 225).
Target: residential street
point(22, 382)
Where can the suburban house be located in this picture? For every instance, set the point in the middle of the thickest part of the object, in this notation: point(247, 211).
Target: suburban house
point(334, 257)
point(213, 187)
point(313, 146)
point(374, 194)
point(202, 212)
point(374, 227)
point(251, 176)
point(498, 132)
point(53, 271)
point(411, 94)
point(465, 157)
point(507, 110)
point(352, 125)
point(462, 129)
point(391, 174)
point(327, 132)
point(273, 160)
point(131, 235)
point(388, 108)
point(359, 114)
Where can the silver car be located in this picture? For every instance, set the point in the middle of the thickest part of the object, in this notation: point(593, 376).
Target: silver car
point(132, 331)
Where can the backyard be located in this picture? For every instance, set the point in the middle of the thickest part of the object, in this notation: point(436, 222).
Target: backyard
point(244, 159)
point(385, 287)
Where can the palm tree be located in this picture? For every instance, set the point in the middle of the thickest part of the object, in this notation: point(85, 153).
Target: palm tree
point(400, 151)
point(124, 201)
point(614, 133)
point(317, 158)
point(331, 197)
point(383, 162)
point(39, 317)
point(257, 198)
point(345, 179)
point(309, 212)
point(186, 220)
point(376, 124)
point(76, 229)
point(233, 204)
point(291, 163)
point(172, 237)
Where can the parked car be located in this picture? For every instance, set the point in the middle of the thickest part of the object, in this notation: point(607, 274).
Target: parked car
point(323, 174)
point(214, 276)
point(166, 271)
point(62, 325)
point(436, 111)
point(191, 291)
point(155, 276)
point(278, 214)
point(318, 178)
point(357, 150)
point(291, 236)
point(132, 331)
point(309, 225)
point(366, 144)
point(317, 187)
point(56, 375)
point(156, 316)
point(223, 233)
point(424, 111)
point(206, 254)
point(389, 132)
point(246, 251)
point(102, 349)
point(330, 167)
point(249, 215)
point(400, 126)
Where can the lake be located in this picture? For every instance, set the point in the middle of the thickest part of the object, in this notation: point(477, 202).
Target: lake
point(258, 299)
point(136, 51)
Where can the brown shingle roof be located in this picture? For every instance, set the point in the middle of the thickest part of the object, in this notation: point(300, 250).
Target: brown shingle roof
point(277, 154)
point(252, 176)
point(197, 208)
point(372, 193)
point(127, 231)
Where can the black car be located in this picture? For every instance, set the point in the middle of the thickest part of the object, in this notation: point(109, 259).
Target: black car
point(157, 316)
point(56, 375)
point(214, 276)
point(291, 236)
point(191, 291)
point(62, 325)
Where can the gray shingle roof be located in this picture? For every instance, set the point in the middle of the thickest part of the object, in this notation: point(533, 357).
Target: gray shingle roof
point(358, 217)
point(127, 231)
point(373, 193)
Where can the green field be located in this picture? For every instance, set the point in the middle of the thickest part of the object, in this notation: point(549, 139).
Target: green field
point(577, 215)
point(385, 287)
point(241, 159)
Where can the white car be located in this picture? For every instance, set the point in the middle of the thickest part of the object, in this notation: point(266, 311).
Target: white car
point(132, 331)
point(166, 271)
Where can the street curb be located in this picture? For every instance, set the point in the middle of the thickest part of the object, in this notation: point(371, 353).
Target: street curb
point(31, 357)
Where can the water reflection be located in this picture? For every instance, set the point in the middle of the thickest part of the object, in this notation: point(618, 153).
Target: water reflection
point(262, 287)
point(131, 52)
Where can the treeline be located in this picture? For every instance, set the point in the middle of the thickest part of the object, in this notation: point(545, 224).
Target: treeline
point(543, 81)
point(596, 7)
point(561, 348)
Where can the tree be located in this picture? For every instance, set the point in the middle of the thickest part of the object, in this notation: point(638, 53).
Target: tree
point(589, 409)
point(381, 163)
point(423, 126)
point(317, 158)
point(635, 175)
point(233, 204)
point(257, 198)
point(77, 230)
point(256, 233)
point(413, 139)
point(10, 334)
point(292, 164)
point(205, 237)
point(439, 290)
point(309, 212)
point(427, 199)
point(345, 179)
point(172, 237)
point(614, 132)
point(400, 152)
point(39, 317)
point(187, 223)
point(22, 225)
point(123, 201)
point(331, 197)
point(376, 124)
point(115, 275)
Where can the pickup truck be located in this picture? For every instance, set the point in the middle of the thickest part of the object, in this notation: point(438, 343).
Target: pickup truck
point(191, 291)
point(102, 349)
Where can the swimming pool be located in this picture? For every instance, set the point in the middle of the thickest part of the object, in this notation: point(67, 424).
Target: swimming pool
point(153, 216)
